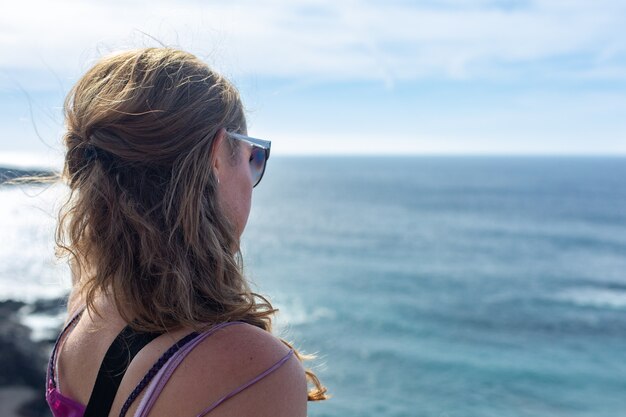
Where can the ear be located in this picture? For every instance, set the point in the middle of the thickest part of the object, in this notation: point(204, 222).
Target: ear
point(218, 151)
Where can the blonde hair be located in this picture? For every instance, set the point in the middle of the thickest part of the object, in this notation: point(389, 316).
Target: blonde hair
point(142, 223)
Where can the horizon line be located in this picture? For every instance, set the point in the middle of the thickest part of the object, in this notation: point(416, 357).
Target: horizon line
point(41, 163)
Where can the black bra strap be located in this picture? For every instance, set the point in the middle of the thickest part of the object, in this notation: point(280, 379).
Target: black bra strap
point(121, 352)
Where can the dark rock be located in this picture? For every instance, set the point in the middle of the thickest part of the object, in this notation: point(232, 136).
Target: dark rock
point(37, 407)
point(52, 306)
point(9, 308)
point(24, 362)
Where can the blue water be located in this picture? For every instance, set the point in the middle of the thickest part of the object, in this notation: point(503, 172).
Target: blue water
point(450, 287)
point(430, 286)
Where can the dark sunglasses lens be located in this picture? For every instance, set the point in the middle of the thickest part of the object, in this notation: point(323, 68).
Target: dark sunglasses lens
point(257, 164)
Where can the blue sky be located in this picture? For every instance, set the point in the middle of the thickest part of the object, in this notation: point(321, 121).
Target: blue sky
point(365, 77)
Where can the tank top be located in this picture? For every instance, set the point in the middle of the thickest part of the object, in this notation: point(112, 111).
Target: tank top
point(153, 382)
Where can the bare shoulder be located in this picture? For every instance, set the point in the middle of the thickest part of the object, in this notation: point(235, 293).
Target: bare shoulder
point(229, 359)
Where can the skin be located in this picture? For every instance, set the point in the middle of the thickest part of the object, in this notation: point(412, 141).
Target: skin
point(234, 190)
point(220, 363)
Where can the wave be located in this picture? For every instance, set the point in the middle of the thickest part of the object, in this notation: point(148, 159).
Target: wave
point(594, 297)
point(295, 313)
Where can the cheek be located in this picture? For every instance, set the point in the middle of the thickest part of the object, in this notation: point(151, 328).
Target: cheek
point(244, 179)
point(235, 207)
point(245, 196)
point(238, 195)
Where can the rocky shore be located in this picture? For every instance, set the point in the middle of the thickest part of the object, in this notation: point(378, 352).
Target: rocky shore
point(24, 361)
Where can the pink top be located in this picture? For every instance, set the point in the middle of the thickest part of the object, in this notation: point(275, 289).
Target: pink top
point(63, 406)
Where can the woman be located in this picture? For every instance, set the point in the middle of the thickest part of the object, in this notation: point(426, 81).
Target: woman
point(162, 321)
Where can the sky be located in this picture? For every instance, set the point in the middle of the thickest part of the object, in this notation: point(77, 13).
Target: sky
point(390, 77)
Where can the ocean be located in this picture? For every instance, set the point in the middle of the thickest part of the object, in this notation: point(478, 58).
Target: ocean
point(426, 286)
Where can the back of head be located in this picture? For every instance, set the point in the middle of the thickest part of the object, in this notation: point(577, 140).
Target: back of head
point(142, 223)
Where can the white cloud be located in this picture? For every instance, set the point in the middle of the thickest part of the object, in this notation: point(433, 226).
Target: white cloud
point(45, 45)
point(324, 38)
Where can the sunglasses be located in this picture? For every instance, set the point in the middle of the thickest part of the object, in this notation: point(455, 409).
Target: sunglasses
point(258, 157)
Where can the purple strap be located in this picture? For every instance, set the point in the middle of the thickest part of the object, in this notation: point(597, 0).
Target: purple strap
point(154, 370)
point(247, 384)
point(52, 375)
point(163, 376)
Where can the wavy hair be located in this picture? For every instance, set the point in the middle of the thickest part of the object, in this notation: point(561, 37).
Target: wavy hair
point(142, 223)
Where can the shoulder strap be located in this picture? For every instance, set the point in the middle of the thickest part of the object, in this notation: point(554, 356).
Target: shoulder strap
point(121, 352)
point(161, 378)
point(247, 384)
point(164, 374)
point(52, 362)
point(153, 371)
